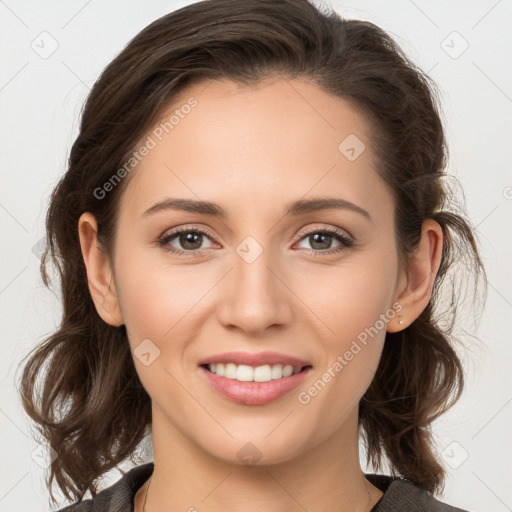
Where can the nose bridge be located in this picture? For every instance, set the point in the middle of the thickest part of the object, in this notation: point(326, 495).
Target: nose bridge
point(257, 298)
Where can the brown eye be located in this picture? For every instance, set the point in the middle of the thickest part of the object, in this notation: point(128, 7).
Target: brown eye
point(185, 241)
point(190, 241)
point(322, 240)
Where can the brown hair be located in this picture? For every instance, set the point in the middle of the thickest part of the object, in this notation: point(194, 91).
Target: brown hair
point(91, 406)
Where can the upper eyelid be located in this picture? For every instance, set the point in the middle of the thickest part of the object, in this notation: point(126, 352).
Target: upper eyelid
point(338, 230)
point(176, 231)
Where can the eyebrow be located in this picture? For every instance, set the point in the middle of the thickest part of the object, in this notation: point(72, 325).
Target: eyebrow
point(295, 208)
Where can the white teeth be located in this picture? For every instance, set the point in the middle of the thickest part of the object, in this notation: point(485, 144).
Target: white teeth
point(287, 370)
point(277, 371)
point(264, 373)
point(230, 371)
point(245, 373)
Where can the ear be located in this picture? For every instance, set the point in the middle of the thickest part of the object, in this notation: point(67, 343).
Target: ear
point(417, 281)
point(99, 273)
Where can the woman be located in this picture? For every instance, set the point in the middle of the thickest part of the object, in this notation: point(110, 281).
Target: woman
point(251, 236)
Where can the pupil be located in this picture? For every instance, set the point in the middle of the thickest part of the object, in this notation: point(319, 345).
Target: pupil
point(188, 238)
point(317, 236)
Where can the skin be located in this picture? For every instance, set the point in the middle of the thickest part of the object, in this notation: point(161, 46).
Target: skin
point(252, 150)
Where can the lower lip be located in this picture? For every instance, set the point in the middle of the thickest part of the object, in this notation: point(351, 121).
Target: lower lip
point(254, 393)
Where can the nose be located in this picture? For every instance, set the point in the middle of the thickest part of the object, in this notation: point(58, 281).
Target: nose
point(254, 295)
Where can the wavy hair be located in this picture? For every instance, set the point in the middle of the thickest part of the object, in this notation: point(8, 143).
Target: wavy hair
point(90, 404)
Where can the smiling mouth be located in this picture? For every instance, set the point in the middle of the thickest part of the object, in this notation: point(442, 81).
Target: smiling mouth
point(246, 373)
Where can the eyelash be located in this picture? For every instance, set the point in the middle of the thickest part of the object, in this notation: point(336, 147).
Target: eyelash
point(163, 242)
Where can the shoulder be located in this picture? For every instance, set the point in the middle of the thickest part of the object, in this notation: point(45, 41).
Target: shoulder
point(119, 496)
point(402, 495)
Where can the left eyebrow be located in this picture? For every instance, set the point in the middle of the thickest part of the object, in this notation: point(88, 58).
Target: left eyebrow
point(295, 208)
point(187, 205)
point(303, 206)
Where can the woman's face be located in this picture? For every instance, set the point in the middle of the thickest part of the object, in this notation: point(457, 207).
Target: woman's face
point(264, 276)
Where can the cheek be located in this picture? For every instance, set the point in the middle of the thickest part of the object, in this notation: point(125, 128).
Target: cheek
point(354, 306)
point(351, 297)
point(155, 298)
point(159, 303)
point(163, 301)
point(352, 358)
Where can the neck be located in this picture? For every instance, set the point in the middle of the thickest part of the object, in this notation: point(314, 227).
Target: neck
point(325, 477)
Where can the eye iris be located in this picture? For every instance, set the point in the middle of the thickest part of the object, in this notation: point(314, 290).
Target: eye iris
point(320, 236)
point(188, 238)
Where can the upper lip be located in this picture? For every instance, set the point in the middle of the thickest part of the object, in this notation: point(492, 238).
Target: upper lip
point(254, 359)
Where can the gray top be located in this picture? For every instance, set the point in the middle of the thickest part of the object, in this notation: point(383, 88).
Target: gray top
point(400, 495)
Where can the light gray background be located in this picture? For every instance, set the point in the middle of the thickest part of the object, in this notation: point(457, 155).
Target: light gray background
point(40, 99)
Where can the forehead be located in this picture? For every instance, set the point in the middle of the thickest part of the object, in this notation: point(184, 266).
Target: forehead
point(255, 146)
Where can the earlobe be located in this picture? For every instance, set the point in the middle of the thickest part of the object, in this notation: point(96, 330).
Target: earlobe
point(99, 273)
point(422, 268)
